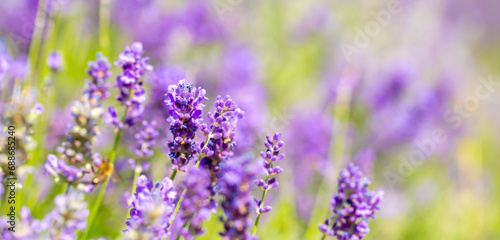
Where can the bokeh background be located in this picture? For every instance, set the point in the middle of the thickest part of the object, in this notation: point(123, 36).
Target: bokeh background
point(408, 90)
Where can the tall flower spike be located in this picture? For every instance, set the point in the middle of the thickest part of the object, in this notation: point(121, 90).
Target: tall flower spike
point(186, 104)
point(272, 154)
point(146, 138)
point(236, 188)
point(151, 210)
point(196, 208)
point(221, 133)
point(353, 205)
point(21, 111)
point(132, 95)
point(77, 160)
point(69, 216)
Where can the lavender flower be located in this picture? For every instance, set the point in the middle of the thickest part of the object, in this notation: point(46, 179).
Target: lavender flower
point(145, 136)
point(21, 111)
point(221, 133)
point(196, 207)
point(69, 216)
point(99, 71)
point(236, 188)
point(353, 205)
point(186, 105)
point(151, 210)
point(26, 228)
point(77, 160)
point(272, 154)
point(55, 61)
point(132, 95)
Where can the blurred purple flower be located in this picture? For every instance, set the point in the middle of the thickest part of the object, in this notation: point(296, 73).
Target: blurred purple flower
point(151, 210)
point(196, 206)
point(236, 188)
point(146, 138)
point(55, 61)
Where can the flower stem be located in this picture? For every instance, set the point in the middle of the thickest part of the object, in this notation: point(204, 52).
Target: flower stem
point(174, 173)
point(98, 202)
point(185, 190)
point(137, 171)
point(256, 225)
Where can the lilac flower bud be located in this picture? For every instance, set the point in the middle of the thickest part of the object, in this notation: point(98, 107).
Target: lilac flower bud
point(353, 205)
point(151, 210)
point(185, 103)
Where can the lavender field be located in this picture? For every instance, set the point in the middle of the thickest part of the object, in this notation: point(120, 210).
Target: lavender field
point(239, 119)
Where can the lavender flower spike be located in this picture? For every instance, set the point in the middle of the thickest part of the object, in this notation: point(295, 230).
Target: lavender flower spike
point(146, 138)
point(132, 95)
point(186, 104)
point(353, 205)
point(69, 216)
point(221, 134)
point(55, 61)
point(196, 207)
point(272, 154)
point(151, 210)
point(236, 188)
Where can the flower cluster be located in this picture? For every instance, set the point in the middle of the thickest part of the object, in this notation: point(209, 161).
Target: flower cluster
point(353, 205)
point(146, 138)
point(69, 216)
point(132, 95)
point(26, 228)
point(236, 188)
point(272, 154)
point(186, 104)
point(99, 71)
point(221, 133)
point(151, 210)
point(196, 207)
point(76, 154)
point(21, 111)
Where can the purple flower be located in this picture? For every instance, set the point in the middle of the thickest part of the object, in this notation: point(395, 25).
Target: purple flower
point(4, 67)
point(353, 205)
point(236, 188)
point(70, 215)
point(151, 210)
point(221, 133)
point(196, 206)
point(78, 162)
point(132, 95)
point(26, 228)
point(145, 137)
point(186, 105)
point(55, 61)
point(272, 154)
point(99, 72)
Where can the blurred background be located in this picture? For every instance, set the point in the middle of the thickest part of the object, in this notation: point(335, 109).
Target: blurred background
point(408, 90)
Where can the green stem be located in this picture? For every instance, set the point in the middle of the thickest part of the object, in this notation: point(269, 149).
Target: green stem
point(98, 202)
point(324, 237)
point(174, 173)
point(104, 25)
point(183, 226)
point(205, 145)
point(137, 171)
point(257, 220)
